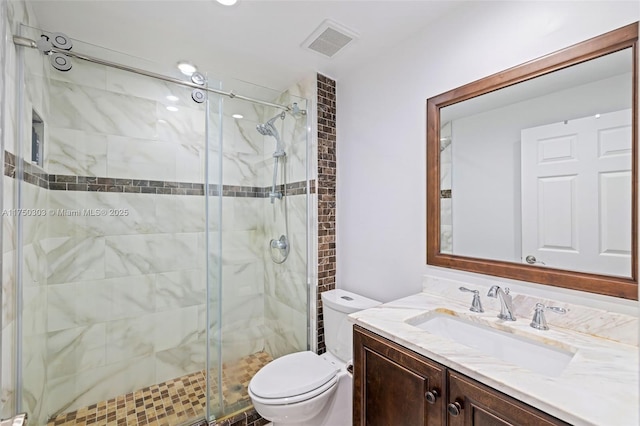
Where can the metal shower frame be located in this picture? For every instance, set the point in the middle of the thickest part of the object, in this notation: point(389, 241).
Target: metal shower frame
point(27, 42)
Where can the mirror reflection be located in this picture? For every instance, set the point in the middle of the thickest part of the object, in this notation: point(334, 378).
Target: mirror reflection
point(540, 172)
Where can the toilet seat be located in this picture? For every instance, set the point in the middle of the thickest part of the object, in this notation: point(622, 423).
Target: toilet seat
point(293, 378)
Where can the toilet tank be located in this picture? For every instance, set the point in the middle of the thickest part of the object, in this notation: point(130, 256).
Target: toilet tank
point(338, 331)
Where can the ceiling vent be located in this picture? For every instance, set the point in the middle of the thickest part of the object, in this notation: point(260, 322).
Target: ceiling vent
point(329, 38)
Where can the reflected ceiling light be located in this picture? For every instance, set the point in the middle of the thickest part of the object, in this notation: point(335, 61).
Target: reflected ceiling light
point(227, 2)
point(172, 98)
point(597, 115)
point(238, 116)
point(172, 108)
point(186, 68)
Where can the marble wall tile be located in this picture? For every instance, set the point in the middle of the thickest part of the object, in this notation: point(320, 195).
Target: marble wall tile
point(93, 301)
point(241, 214)
point(34, 373)
point(8, 222)
point(180, 361)
point(76, 152)
point(240, 135)
point(7, 362)
point(287, 328)
point(175, 328)
point(131, 296)
point(142, 159)
point(180, 289)
point(190, 214)
point(76, 349)
point(130, 338)
point(446, 239)
point(139, 217)
point(8, 287)
point(240, 169)
point(189, 160)
point(243, 245)
point(445, 176)
point(128, 255)
point(34, 314)
point(85, 74)
point(61, 307)
point(34, 227)
point(119, 81)
point(240, 342)
point(61, 392)
point(184, 127)
point(98, 111)
point(72, 259)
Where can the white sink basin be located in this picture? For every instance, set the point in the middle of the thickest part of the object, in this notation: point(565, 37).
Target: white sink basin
point(525, 353)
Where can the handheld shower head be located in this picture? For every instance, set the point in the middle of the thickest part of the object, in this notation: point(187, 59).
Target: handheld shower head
point(269, 129)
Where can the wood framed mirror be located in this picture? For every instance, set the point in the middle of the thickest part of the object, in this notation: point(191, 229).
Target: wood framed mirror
point(532, 172)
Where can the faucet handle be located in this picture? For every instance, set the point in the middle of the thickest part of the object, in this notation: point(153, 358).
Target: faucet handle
point(539, 322)
point(476, 304)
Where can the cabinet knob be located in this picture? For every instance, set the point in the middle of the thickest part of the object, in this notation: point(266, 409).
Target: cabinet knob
point(454, 408)
point(431, 396)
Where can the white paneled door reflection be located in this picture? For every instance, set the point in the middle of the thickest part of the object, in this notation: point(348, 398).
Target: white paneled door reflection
point(576, 194)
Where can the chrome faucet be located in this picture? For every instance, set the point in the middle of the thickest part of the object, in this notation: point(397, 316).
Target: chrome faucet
point(506, 307)
point(539, 322)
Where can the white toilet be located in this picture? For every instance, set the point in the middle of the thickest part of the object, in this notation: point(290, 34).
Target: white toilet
point(308, 389)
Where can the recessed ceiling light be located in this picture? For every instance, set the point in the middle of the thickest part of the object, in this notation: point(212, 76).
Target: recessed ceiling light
point(172, 98)
point(186, 68)
point(172, 108)
point(227, 2)
point(238, 116)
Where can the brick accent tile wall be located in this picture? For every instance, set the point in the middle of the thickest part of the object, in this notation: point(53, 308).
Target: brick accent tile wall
point(326, 190)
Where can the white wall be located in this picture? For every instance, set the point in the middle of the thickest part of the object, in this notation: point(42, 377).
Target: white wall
point(382, 128)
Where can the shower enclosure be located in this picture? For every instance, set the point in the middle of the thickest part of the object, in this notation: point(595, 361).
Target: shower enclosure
point(162, 258)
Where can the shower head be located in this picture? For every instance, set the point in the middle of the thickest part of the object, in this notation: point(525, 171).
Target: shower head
point(269, 129)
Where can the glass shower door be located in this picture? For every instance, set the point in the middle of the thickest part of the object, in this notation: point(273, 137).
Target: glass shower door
point(263, 291)
point(114, 273)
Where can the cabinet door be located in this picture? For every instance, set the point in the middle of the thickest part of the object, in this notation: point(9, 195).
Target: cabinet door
point(394, 386)
point(480, 405)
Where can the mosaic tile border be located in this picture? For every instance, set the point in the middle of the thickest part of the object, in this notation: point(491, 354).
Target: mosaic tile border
point(326, 191)
point(37, 176)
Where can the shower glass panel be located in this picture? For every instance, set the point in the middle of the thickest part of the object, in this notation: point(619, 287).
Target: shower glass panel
point(115, 268)
point(263, 313)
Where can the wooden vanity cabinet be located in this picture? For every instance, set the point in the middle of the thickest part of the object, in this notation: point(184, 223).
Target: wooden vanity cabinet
point(480, 405)
point(395, 386)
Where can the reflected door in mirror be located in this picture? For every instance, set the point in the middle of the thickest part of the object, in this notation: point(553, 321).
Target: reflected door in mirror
point(576, 194)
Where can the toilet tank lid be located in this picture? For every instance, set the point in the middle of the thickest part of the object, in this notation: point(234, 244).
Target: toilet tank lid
point(292, 375)
point(347, 302)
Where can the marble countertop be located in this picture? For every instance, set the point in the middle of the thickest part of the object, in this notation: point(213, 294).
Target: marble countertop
point(599, 386)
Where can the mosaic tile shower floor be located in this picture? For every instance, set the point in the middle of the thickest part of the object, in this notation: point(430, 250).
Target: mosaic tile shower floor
point(170, 403)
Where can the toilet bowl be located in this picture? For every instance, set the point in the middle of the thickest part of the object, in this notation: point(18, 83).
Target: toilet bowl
point(304, 388)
